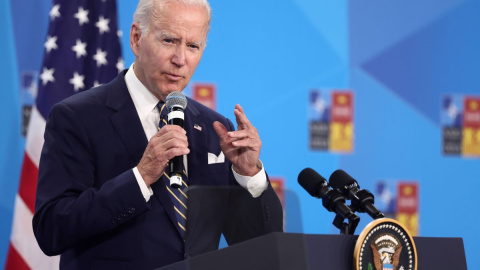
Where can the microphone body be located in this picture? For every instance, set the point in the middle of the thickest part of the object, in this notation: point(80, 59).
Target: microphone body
point(176, 102)
point(332, 199)
point(362, 200)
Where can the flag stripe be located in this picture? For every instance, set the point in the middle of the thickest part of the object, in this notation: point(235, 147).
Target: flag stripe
point(34, 143)
point(79, 54)
point(14, 260)
point(28, 183)
point(23, 239)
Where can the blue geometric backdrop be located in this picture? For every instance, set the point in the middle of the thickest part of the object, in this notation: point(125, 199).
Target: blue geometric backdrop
point(398, 57)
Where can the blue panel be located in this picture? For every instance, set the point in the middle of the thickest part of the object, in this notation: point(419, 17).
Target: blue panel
point(331, 20)
point(395, 141)
point(438, 59)
point(398, 57)
point(126, 8)
point(376, 25)
point(11, 152)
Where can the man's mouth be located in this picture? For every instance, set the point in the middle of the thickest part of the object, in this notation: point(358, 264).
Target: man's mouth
point(173, 76)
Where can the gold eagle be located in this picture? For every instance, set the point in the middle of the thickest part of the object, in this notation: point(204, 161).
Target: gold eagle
point(377, 260)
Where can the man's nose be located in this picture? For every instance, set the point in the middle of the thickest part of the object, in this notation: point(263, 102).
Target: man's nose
point(179, 56)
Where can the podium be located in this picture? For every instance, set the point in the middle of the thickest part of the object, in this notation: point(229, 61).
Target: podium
point(282, 251)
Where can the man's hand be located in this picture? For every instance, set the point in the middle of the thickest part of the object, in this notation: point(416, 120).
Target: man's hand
point(169, 142)
point(241, 147)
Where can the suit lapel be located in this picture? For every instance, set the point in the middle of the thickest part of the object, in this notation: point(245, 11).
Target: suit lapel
point(129, 128)
point(125, 119)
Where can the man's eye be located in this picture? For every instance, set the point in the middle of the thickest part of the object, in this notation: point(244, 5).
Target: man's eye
point(168, 40)
point(194, 47)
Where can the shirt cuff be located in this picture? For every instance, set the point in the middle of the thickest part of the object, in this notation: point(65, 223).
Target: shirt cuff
point(147, 192)
point(256, 184)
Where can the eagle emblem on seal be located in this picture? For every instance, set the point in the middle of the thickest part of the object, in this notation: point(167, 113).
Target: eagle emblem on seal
point(386, 251)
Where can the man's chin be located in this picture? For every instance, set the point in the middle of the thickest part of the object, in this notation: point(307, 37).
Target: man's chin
point(165, 93)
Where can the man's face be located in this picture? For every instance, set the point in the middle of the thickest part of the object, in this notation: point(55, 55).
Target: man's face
point(167, 56)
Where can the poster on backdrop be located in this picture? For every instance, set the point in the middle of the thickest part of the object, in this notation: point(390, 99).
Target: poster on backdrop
point(460, 121)
point(28, 93)
point(205, 93)
point(331, 117)
point(399, 200)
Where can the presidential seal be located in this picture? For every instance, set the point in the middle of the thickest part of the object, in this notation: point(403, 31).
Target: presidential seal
point(385, 244)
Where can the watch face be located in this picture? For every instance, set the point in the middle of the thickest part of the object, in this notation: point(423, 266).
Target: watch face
point(383, 245)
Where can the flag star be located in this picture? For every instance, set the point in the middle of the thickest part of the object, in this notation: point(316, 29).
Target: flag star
point(96, 83)
point(55, 12)
point(119, 33)
point(51, 43)
point(100, 57)
point(102, 25)
point(80, 48)
point(82, 16)
point(47, 75)
point(77, 81)
point(120, 65)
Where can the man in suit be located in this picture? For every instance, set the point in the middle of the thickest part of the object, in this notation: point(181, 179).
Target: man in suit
point(101, 201)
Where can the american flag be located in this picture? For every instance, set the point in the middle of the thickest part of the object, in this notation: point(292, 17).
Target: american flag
point(82, 50)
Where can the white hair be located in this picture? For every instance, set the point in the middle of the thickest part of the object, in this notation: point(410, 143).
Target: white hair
point(143, 13)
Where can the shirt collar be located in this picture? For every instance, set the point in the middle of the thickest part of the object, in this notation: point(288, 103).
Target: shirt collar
point(145, 102)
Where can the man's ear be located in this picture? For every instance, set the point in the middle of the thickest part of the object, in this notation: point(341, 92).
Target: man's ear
point(135, 35)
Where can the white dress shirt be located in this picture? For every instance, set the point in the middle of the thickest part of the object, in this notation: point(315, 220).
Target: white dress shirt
point(146, 105)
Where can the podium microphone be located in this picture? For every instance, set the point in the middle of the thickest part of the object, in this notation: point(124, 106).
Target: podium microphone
point(362, 200)
point(332, 199)
point(176, 102)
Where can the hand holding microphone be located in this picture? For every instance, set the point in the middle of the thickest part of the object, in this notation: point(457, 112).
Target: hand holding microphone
point(167, 146)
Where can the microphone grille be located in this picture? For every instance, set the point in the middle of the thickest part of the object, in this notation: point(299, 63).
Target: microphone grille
point(339, 179)
point(176, 99)
point(311, 181)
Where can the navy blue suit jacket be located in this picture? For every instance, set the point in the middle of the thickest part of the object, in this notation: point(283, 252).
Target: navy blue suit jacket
point(89, 207)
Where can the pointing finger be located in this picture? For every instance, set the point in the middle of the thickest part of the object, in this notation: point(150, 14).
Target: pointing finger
point(241, 118)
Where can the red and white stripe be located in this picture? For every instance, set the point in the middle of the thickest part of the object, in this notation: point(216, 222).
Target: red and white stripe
point(24, 252)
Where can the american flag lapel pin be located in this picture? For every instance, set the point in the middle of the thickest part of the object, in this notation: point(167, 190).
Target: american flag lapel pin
point(197, 127)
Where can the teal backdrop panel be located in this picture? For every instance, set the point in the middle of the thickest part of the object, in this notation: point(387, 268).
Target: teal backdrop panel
point(11, 142)
point(406, 56)
point(399, 58)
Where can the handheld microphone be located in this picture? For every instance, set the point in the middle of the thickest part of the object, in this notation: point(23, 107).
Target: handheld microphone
point(362, 199)
point(176, 102)
point(332, 199)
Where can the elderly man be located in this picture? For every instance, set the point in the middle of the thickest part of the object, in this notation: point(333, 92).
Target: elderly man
point(102, 199)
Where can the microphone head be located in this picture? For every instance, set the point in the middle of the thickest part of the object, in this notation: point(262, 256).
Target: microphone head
point(176, 99)
point(341, 180)
point(312, 182)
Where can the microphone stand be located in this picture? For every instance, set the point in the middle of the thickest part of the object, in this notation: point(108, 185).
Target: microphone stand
point(346, 228)
point(334, 200)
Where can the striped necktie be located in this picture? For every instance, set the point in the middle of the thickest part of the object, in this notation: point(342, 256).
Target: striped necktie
point(178, 195)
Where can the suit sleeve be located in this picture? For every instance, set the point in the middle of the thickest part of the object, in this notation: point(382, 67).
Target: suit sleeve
point(70, 205)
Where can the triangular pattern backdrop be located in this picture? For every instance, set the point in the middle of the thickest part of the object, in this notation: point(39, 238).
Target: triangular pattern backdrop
point(398, 58)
